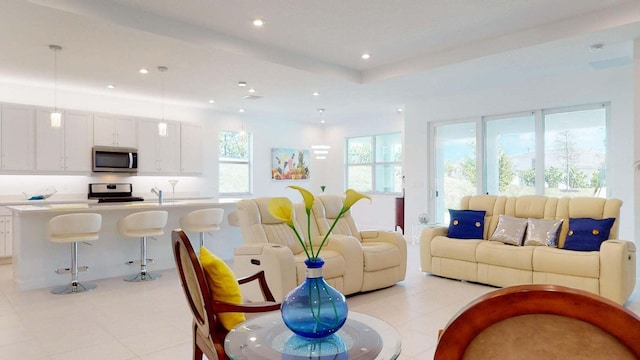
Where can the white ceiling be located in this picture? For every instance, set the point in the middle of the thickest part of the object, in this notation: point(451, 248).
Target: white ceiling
point(419, 48)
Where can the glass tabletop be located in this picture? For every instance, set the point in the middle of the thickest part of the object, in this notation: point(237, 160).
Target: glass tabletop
point(266, 337)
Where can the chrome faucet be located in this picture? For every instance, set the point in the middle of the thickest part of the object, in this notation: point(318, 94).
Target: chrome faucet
point(158, 192)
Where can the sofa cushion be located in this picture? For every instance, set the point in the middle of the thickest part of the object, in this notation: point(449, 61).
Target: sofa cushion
point(466, 224)
point(496, 253)
point(442, 246)
point(587, 234)
point(541, 232)
point(380, 255)
point(510, 230)
point(560, 261)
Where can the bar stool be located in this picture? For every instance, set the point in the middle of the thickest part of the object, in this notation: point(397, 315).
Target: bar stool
point(202, 221)
point(71, 228)
point(140, 225)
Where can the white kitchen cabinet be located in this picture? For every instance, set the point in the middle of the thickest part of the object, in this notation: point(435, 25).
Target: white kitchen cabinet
point(190, 148)
point(17, 148)
point(6, 237)
point(158, 154)
point(67, 148)
point(112, 130)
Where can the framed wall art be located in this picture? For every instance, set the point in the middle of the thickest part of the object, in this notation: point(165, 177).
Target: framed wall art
point(289, 164)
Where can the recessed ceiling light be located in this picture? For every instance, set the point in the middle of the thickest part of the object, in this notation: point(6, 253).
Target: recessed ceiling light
point(400, 110)
point(212, 101)
point(143, 71)
point(242, 83)
point(320, 110)
point(258, 22)
point(366, 56)
point(252, 90)
point(315, 93)
point(111, 86)
point(241, 110)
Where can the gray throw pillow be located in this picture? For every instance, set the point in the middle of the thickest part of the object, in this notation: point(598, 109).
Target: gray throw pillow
point(510, 230)
point(542, 232)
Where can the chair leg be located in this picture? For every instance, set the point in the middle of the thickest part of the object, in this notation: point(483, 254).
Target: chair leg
point(143, 275)
point(75, 286)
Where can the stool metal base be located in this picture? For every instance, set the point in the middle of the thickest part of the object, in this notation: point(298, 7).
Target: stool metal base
point(73, 289)
point(142, 277)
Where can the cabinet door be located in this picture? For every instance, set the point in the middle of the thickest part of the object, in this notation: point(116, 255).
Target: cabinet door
point(148, 161)
point(191, 148)
point(78, 129)
point(49, 145)
point(104, 130)
point(113, 130)
point(158, 154)
point(8, 236)
point(126, 132)
point(6, 224)
point(169, 149)
point(17, 138)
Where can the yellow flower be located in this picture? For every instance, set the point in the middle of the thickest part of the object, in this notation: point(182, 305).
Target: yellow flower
point(281, 208)
point(307, 196)
point(353, 197)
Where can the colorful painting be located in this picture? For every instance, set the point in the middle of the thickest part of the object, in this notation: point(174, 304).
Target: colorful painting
point(289, 164)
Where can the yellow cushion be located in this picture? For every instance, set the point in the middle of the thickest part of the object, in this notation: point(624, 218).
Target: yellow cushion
point(223, 286)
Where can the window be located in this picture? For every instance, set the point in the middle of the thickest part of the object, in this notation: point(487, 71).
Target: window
point(234, 163)
point(374, 163)
point(555, 152)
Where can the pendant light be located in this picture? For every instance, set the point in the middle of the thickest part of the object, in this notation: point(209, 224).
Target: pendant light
point(162, 126)
point(56, 116)
point(322, 149)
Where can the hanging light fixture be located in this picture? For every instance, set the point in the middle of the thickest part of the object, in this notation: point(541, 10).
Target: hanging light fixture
point(321, 150)
point(162, 126)
point(56, 116)
point(242, 134)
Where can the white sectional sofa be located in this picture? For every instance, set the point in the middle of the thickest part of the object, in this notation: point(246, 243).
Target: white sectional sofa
point(609, 272)
point(355, 261)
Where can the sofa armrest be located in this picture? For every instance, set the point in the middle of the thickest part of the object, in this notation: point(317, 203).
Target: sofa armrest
point(390, 237)
point(352, 252)
point(276, 261)
point(617, 269)
point(428, 233)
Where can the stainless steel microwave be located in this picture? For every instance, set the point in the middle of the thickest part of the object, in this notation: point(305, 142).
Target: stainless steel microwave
point(115, 159)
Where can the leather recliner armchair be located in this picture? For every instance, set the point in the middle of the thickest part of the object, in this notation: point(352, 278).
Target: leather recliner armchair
point(354, 261)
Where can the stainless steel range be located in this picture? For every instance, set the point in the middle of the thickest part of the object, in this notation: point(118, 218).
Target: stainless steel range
point(112, 192)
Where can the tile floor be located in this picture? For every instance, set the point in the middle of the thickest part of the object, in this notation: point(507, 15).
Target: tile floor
point(151, 321)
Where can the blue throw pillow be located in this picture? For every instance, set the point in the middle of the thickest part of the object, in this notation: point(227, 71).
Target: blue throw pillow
point(587, 234)
point(466, 224)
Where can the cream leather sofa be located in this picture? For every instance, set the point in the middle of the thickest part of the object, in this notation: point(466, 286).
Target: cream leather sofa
point(354, 261)
point(609, 272)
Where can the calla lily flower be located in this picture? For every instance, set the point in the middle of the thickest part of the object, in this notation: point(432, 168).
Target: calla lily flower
point(281, 208)
point(353, 197)
point(307, 196)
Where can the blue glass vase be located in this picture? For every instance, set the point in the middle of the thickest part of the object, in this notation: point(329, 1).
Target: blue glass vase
point(314, 309)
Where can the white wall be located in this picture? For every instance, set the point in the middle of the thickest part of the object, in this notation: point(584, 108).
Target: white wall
point(615, 85)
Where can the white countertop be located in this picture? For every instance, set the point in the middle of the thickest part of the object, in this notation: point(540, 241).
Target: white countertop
point(93, 205)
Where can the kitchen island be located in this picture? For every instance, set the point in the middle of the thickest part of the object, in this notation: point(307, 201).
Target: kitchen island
point(35, 258)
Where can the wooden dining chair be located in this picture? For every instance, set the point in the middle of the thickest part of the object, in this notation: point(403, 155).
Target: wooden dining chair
point(208, 332)
point(541, 322)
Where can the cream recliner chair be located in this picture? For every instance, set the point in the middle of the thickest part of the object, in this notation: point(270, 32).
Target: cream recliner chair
point(270, 245)
point(385, 252)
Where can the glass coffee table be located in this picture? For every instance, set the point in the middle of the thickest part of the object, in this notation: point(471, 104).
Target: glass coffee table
point(266, 337)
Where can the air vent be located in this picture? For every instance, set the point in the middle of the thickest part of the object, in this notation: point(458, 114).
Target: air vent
point(252, 97)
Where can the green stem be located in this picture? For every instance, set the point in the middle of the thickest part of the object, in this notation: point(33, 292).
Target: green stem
point(300, 240)
point(315, 256)
point(335, 222)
